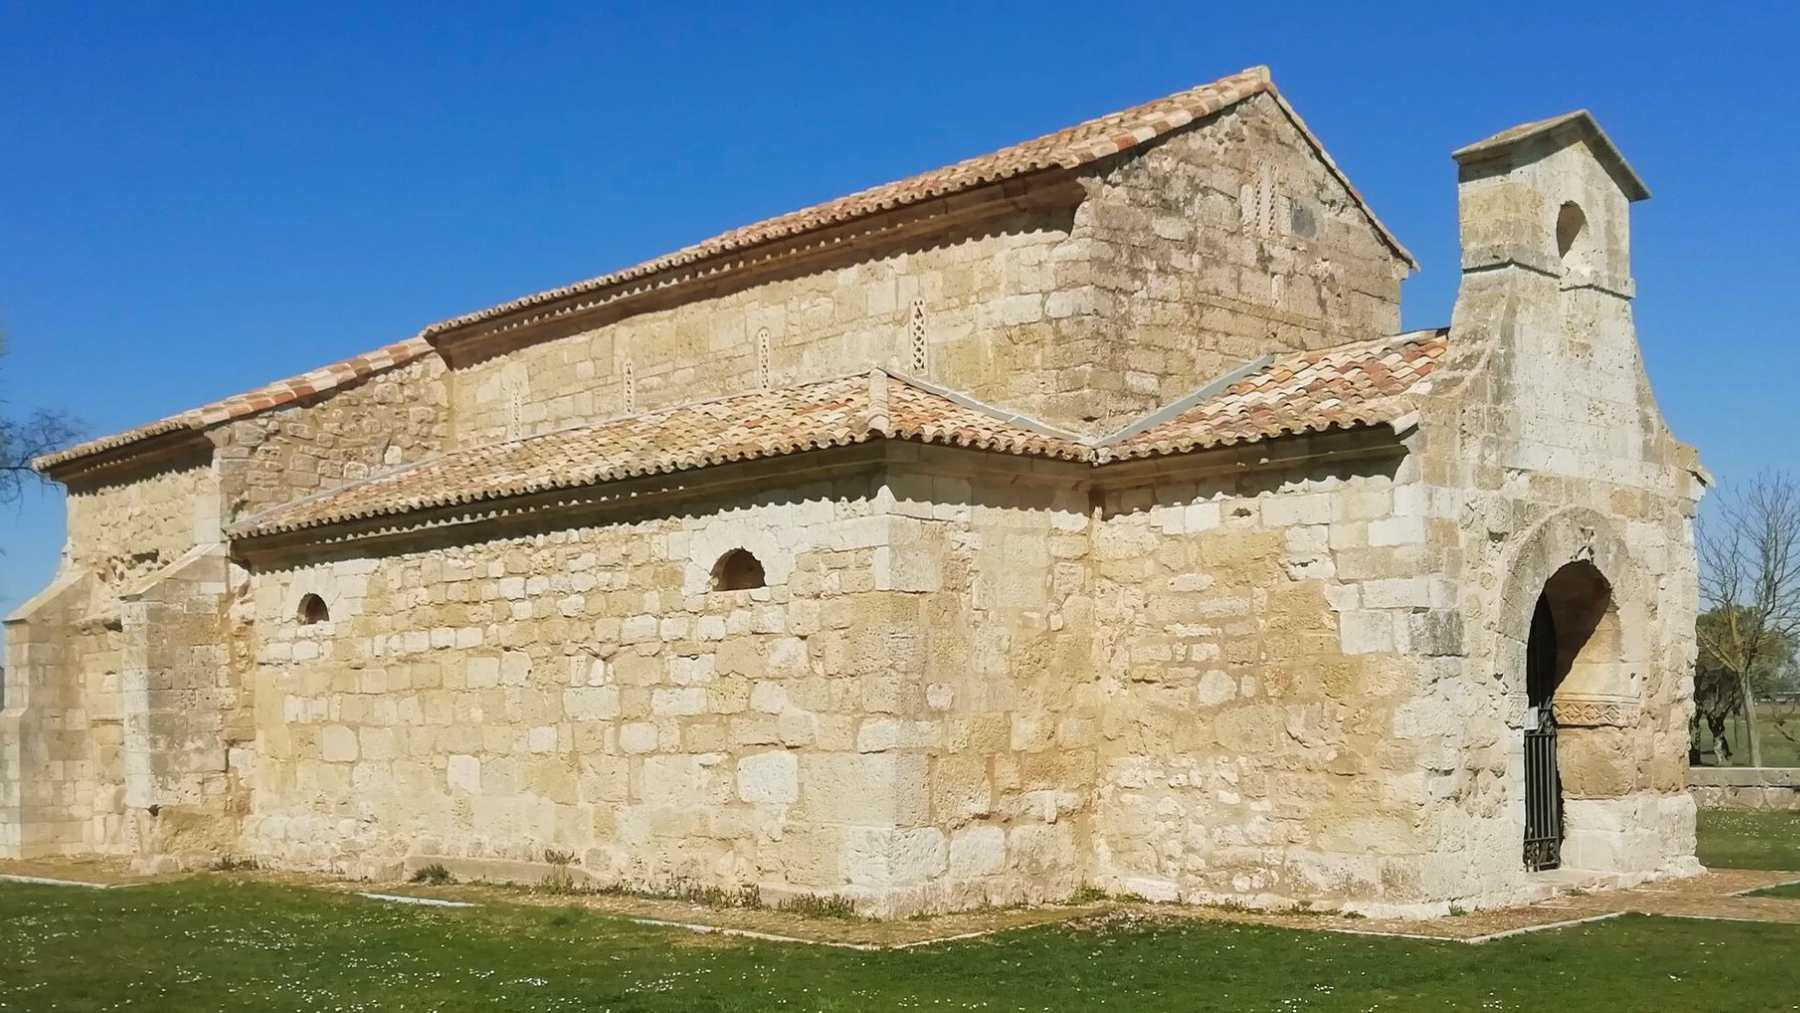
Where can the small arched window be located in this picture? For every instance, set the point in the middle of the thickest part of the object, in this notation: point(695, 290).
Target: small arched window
point(737, 570)
point(313, 610)
point(1571, 222)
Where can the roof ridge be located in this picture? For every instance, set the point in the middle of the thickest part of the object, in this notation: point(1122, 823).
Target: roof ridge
point(1066, 148)
point(878, 418)
point(1205, 392)
point(1368, 387)
point(975, 404)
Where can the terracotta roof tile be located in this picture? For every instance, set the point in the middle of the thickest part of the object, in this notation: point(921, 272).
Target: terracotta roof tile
point(1069, 148)
point(294, 388)
point(1347, 386)
point(742, 427)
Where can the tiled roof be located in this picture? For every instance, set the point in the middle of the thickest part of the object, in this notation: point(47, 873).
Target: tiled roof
point(1344, 387)
point(1065, 149)
point(765, 423)
point(273, 395)
point(1069, 148)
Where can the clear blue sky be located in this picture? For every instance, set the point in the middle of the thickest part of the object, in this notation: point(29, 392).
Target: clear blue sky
point(196, 199)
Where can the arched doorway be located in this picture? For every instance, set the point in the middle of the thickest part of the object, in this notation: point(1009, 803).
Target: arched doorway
point(1543, 783)
point(1573, 656)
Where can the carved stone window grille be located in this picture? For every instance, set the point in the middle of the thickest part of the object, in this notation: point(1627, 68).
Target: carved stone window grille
point(1257, 204)
point(512, 393)
point(764, 378)
point(915, 329)
point(628, 381)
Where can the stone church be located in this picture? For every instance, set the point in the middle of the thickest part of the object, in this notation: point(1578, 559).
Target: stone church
point(1071, 516)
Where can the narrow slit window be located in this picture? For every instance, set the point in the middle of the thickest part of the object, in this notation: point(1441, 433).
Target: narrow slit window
point(763, 377)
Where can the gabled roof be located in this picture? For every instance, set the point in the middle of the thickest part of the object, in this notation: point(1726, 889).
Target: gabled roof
point(742, 427)
point(273, 395)
point(1579, 123)
point(1348, 387)
point(1066, 149)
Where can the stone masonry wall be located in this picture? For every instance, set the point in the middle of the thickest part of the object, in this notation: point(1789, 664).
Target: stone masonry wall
point(993, 553)
point(55, 720)
point(979, 290)
point(1263, 639)
point(582, 689)
point(391, 419)
point(1746, 787)
point(183, 719)
point(1546, 448)
point(1185, 259)
point(1193, 256)
point(126, 526)
point(139, 706)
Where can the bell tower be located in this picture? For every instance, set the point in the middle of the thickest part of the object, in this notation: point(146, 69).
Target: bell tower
point(1551, 197)
point(1545, 209)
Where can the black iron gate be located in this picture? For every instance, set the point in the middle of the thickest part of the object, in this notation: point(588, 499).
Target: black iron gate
point(1543, 785)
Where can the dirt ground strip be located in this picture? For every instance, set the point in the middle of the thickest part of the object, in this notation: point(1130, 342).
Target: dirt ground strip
point(860, 933)
point(86, 871)
point(1714, 894)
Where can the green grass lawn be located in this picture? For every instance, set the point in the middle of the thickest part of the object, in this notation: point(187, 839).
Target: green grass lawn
point(1789, 892)
point(1745, 839)
point(221, 943)
point(1772, 719)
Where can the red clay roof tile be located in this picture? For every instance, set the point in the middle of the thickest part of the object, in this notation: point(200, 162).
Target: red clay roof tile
point(1344, 387)
point(1349, 386)
point(1064, 149)
point(309, 384)
point(742, 427)
point(1069, 148)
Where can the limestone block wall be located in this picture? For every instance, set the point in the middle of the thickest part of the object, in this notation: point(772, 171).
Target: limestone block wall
point(991, 556)
point(141, 674)
point(1082, 304)
point(1190, 257)
point(974, 294)
point(390, 419)
point(118, 713)
point(130, 522)
point(1746, 787)
point(1266, 642)
point(183, 719)
point(1546, 444)
point(54, 722)
point(583, 689)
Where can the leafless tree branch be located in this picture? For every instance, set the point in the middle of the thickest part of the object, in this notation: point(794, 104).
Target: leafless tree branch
point(1750, 583)
point(24, 438)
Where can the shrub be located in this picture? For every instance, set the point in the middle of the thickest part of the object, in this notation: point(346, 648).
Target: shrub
point(559, 879)
point(434, 874)
point(815, 905)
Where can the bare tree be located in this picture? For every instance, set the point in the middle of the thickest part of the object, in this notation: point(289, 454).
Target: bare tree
point(25, 437)
point(1750, 581)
